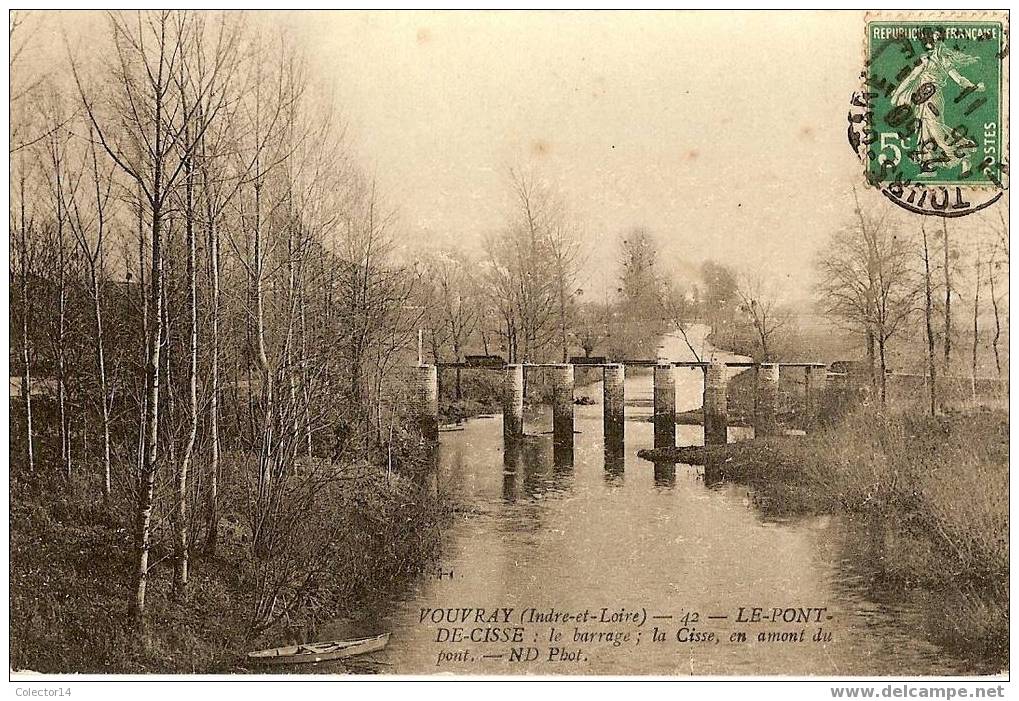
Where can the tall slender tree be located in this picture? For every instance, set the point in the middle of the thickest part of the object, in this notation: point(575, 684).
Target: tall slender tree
point(151, 133)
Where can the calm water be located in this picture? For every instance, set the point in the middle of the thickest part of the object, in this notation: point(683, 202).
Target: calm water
point(582, 536)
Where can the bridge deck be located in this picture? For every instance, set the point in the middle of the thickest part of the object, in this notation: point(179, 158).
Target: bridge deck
point(630, 363)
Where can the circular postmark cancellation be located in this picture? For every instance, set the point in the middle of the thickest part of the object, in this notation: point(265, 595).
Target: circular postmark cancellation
point(930, 122)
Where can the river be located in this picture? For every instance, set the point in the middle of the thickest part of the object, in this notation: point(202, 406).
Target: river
point(583, 537)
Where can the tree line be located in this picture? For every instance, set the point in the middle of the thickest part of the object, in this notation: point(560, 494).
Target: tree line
point(889, 282)
point(526, 297)
point(202, 281)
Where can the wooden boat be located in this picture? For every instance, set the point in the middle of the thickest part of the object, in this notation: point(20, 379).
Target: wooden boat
point(319, 652)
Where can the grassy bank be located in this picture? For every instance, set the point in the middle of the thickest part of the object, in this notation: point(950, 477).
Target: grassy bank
point(932, 493)
point(70, 559)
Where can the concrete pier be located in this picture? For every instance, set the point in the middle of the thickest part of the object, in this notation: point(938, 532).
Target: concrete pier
point(716, 413)
point(562, 405)
point(425, 401)
point(816, 379)
point(766, 399)
point(613, 402)
point(665, 405)
point(513, 402)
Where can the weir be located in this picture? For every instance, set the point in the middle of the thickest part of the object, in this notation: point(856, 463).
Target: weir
point(715, 409)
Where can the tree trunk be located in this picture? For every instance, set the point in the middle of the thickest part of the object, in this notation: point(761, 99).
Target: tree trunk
point(103, 386)
point(929, 321)
point(976, 330)
point(562, 323)
point(26, 354)
point(146, 488)
point(65, 428)
point(266, 399)
point(997, 317)
point(871, 360)
point(309, 446)
point(180, 564)
point(212, 523)
point(143, 298)
point(948, 300)
point(884, 368)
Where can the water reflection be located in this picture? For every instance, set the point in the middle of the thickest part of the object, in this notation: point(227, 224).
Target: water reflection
point(713, 462)
point(615, 459)
point(562, 458)
point(665, 474)
point(565, 529)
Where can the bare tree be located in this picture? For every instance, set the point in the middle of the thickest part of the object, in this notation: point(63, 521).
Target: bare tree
point(947, 269)
point(592, 328)
point(640, 278)
point(759, 301)
point(62, 185)
point(90, 214)
point(25, 85)
point(454, 301)
point(867, 280)
point(678, 313)
point(531, 270)
point(929, 323)
point(567, 258)
point(993, 270)
point(24, 250)
point(976, 323)
point(151, 133)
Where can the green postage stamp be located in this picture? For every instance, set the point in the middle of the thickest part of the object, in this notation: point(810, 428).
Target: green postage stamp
point(930, 123)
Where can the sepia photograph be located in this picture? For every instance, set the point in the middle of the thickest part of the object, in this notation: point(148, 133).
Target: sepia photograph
point(509, 345)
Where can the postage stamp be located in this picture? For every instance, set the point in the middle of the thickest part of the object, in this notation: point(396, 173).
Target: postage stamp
point(931, 120)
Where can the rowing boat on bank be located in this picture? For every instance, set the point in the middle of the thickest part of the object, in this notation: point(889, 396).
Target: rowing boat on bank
point(319, 652)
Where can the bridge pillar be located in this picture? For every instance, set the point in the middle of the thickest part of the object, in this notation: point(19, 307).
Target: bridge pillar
point(816, 379)
point(425, 403)
point(613, 402)
point(665, 405)
point(766, 399)
point(562, 405)
point(716, 412)
point(513, 402)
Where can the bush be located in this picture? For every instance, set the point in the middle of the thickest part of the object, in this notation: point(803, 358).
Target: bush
point(72, 559)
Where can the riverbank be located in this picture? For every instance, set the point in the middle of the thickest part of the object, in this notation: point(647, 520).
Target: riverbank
point(69, 591)
point(933, 493)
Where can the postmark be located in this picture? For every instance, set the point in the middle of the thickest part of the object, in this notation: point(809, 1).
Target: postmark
point(930, 121)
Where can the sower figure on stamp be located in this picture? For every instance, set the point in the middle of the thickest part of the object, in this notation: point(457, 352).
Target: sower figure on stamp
point(923, 90)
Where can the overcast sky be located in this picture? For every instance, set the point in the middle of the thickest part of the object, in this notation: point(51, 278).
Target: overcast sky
point(723, 134)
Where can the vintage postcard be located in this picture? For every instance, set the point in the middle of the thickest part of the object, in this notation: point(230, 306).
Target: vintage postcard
point(510, 344)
